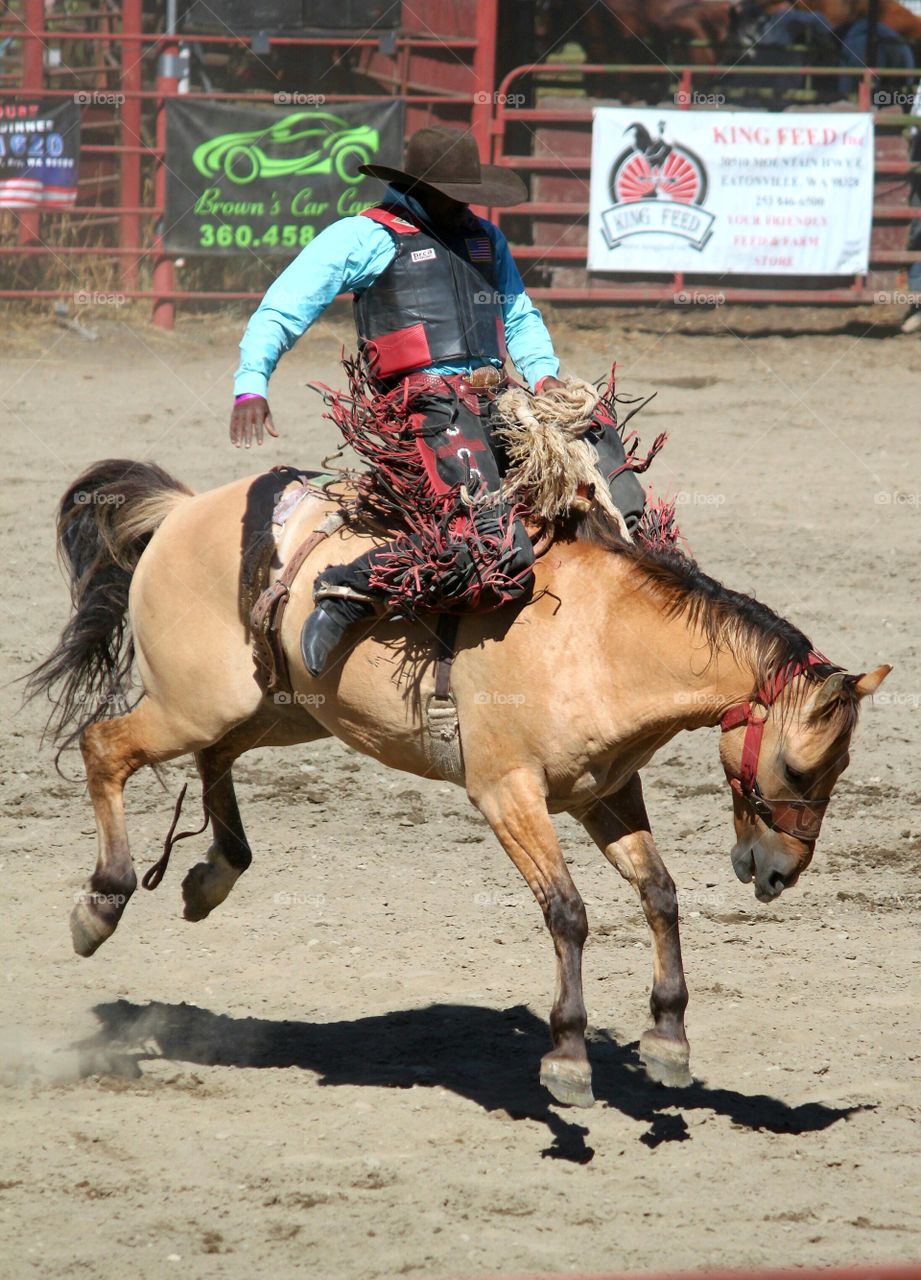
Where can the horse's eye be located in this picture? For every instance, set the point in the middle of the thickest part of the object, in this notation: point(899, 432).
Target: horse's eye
point(795, 776)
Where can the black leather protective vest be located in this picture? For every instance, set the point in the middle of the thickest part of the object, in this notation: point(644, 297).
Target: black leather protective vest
point(435, 302)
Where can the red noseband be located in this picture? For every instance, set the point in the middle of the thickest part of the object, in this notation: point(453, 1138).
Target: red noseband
point(799, 818)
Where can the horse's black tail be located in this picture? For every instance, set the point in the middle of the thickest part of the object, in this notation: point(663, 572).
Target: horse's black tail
point(105, 520)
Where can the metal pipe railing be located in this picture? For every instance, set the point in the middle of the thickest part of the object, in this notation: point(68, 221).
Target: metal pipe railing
point(490, 116)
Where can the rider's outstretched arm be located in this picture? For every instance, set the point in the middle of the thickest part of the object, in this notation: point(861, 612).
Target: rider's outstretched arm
point(526, 336)
point(348, 255)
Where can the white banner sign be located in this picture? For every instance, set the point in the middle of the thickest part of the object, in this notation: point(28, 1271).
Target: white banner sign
point(730, 192)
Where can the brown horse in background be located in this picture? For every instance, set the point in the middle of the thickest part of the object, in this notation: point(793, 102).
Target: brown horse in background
point(561, 702)
point(841, 13)
point(631, 30)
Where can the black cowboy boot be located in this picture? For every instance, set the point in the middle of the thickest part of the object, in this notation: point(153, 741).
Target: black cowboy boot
point(337, 609)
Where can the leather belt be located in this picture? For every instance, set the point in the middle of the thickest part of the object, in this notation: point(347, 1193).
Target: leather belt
point(486, 381)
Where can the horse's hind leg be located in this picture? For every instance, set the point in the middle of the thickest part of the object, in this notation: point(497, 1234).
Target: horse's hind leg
point(208, 883)
point(112, 751)
point(619, 826)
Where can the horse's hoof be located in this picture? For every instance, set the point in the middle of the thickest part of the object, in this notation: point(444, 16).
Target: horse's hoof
point(87, 930)
point(665, 1063)
point(194, 893)
point(206, 885)
point(569, 1082)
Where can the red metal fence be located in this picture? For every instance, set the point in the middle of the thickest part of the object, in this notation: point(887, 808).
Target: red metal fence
point(559, 162)
point(122, 157)
point(444, 69)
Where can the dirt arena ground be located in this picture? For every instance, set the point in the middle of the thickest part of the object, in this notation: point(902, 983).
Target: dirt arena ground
point(336, 1074)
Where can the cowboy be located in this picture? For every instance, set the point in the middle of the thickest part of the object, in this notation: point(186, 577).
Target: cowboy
point(437, 303)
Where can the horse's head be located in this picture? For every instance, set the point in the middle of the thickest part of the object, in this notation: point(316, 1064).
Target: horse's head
point(783, 754)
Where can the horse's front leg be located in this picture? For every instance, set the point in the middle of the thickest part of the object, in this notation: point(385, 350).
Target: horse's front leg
point(516, 809)
point(620, 827)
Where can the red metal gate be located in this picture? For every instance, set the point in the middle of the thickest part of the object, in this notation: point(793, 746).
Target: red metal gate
point(436, 70)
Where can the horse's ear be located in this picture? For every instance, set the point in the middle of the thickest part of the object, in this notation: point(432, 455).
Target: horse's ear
point(829, 691)
point(870, 681)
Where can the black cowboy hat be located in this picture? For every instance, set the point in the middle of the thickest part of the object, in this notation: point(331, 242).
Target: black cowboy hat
point(447, 160)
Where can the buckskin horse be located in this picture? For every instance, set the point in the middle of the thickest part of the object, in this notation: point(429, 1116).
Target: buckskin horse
point(618, 650)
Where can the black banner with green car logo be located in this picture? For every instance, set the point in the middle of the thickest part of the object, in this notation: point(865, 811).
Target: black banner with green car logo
point(269, 180)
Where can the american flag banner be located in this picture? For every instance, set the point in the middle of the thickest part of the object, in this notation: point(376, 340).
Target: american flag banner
point(479, 249)
point(39, 154)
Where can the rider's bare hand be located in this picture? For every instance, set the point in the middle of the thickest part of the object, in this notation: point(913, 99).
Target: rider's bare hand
point(548, 383)
point(251, 419)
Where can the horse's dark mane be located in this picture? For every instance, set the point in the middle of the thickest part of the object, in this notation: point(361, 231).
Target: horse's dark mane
point(730, 619)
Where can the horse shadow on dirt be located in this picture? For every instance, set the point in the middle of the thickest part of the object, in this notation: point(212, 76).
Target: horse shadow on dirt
point(489, 1056)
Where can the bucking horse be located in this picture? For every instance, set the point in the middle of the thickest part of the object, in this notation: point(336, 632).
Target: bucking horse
point(560, 699)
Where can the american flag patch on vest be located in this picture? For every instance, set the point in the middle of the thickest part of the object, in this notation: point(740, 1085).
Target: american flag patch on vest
point(479, 249)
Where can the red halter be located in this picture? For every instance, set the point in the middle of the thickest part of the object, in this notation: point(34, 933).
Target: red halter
point(799, 818)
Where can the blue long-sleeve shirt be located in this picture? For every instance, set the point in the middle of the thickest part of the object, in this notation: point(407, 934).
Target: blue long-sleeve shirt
point(349, 256)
